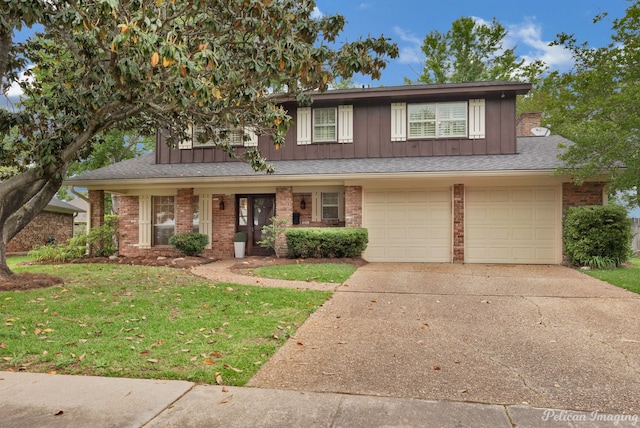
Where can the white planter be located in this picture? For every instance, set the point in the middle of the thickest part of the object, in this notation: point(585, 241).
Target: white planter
point(239, 249)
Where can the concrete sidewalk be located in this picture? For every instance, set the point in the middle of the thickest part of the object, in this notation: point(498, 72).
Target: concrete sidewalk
point(42, 400)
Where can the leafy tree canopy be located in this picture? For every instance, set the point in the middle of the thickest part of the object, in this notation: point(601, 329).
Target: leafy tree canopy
point(597, 106)
point(137, 64)
point(473, 51)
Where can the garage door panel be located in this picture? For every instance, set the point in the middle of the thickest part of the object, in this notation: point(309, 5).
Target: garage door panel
point(512, 225)
point(416, 225)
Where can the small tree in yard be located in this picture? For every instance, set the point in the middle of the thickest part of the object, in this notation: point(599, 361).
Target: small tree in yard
point(145, 64)
point(273, 234)
point(597, 236)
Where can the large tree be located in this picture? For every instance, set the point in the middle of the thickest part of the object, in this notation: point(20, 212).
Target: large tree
point(473, 51)
point(597, 106)
point(105, 64)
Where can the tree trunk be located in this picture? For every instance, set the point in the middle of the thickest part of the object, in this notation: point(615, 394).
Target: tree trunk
point(5, 272)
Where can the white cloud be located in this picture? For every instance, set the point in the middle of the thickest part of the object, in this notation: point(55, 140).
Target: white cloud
point(316, 13)
point(410, 49)
point(528, 37)
point(363, 6)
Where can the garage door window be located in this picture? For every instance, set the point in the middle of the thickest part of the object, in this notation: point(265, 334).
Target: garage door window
point(330, 206)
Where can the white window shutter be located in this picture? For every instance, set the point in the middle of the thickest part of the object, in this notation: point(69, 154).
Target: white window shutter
point(303, 125)
point(253, 138)
point(187, 143)
point(204, 209)
point(398, 122)
point(144, 221)
point(345, 124)
point(476, 119)
point(316, 206)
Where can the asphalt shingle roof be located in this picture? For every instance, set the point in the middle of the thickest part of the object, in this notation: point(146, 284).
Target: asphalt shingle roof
point(534, 153)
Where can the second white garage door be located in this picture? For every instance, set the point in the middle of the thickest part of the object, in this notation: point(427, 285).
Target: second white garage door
point(512, 225)
point(408, 225)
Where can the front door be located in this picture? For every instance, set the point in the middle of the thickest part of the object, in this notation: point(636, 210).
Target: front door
point(254, 212)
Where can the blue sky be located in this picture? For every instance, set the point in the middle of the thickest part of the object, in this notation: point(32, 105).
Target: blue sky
point(532, 25)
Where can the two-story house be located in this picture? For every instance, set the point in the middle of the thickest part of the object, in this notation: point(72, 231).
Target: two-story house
point(436, 173)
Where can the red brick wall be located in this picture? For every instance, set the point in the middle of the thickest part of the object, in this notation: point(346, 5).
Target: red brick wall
point(184, 211)
point(96, 203)
point(128, 226)
point(58, 226)
point(284, 210)
point(458, 223)
point(525, 122)
point(590, 193)
point(353, 206)
point(224, 227)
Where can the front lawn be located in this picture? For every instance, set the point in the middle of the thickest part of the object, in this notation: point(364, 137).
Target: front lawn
point(318, 272)
point(147, 322)
point(627, 277)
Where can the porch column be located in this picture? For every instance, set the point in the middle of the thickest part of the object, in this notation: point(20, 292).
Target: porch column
point(353, 206)
point(96, 207)
point(284, 210)
point(458, 223)
point(184, 211)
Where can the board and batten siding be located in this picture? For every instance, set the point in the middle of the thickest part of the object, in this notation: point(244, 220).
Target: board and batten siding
point(371, 138)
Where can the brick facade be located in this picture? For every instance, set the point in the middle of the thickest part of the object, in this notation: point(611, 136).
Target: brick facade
point(46, 227)
point(458, 223)
point(590, 193)
point(96, 204)
point(184, 211)
point(353, 206)
point(224, 226)
point(284, 209)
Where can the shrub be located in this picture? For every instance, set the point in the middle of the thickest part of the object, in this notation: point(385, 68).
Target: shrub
point(597, 236)
point(271, 233)
point(102, 239)
point(329, 242)
point(189, 244)
point(75, 248)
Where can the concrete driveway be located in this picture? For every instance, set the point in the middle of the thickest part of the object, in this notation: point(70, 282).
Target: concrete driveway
point(545, 336)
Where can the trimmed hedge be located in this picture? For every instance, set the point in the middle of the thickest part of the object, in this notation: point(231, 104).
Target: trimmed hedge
point(597, 236)
point(326, 242)
point(189, 244)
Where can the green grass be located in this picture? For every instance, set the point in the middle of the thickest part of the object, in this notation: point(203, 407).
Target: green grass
point(146, 322)
point(319, 272)
point(627, 277)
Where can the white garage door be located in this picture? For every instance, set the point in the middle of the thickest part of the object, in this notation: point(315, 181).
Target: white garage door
point(512, 225)
point(408, 225)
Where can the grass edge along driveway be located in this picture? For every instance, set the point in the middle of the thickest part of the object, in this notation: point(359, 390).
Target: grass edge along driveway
point(147, 322)
point(627, 277)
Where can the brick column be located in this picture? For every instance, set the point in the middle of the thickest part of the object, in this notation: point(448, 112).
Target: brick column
point(284, 210)
point(223, 224)
point(353, 206)
point(458, 223)
point(184, 211)
point(96, 206)
point(128, 230)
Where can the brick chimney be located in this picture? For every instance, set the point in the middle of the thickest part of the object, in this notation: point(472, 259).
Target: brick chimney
point(526, 121)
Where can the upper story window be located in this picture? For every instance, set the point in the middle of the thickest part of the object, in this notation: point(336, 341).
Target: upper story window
point(459, 119)
point(438, 120)
point(324, 125)
point(238, 137)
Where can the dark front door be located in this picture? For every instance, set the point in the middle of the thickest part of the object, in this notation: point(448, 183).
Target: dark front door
point(254, 212)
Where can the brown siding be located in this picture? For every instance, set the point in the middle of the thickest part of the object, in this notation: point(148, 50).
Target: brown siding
point(372, 138)
point(47, 226)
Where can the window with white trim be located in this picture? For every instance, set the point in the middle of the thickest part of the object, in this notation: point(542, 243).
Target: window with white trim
point(458, 119)
point(330, 206)
point(195, 209)
point(237, 137)
point(163, 216)
point(437, 120)
point(324, 125)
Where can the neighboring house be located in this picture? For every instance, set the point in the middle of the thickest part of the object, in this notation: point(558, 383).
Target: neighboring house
point(434, 172)
point(80, 220)
point(53, 225)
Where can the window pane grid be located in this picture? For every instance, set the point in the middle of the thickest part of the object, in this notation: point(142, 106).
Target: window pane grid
point(330, 204)
point(324, 125)
point(163, 219)
point(436, 120)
